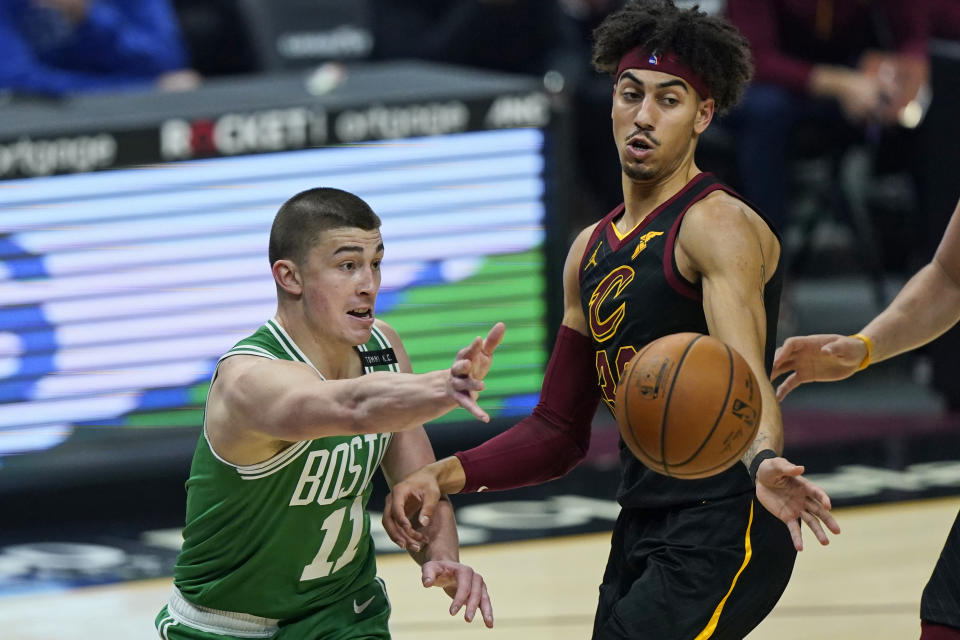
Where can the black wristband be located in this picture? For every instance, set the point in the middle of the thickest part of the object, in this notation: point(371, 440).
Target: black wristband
point(759, 458)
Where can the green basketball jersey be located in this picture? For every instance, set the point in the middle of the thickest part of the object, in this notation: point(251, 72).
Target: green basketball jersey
point(288, 535)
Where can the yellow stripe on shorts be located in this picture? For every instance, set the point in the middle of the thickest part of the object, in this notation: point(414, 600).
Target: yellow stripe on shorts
point(748, 553)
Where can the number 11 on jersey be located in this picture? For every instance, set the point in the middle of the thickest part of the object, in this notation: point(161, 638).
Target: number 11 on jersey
point(323, 565)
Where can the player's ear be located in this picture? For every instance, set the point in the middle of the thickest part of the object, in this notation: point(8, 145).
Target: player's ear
point(287, 276)
point(705, 110)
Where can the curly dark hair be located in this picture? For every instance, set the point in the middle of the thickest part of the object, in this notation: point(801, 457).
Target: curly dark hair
point(710, 46)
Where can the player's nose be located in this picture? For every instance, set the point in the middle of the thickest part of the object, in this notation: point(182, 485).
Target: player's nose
point(643, 117)
point(367, 281)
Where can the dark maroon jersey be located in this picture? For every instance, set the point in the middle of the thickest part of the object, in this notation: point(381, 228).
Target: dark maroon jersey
point(633, 293)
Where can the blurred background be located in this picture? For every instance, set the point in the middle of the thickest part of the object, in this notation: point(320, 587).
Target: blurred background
point(145, 146)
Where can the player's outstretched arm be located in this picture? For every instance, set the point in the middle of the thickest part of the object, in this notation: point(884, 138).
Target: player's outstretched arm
point(927, 306)
point(720, 242)
point(541, 447)
point(287, 401)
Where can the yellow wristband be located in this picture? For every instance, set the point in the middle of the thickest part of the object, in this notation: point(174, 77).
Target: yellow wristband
point(866, 359)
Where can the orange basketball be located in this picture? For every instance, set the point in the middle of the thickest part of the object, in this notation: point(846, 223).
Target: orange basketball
point(688, 406)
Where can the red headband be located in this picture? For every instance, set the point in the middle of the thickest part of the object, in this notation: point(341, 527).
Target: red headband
point(637, 58)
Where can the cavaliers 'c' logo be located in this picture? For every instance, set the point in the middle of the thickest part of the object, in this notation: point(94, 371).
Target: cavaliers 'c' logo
point(612, 285)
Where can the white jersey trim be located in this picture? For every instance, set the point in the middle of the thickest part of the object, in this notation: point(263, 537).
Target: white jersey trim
point(284, 457)
point(228, 623)
point(287, 343)
point(248, 349)
point(165, 625)
point(383, 587)
point(274, 464)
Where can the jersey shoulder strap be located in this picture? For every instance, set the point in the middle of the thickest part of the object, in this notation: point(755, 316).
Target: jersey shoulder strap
point(269, 341)
point(377, 354)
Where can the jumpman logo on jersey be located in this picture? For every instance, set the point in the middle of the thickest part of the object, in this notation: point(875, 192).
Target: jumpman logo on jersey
point(644, 239)
point(593, 258)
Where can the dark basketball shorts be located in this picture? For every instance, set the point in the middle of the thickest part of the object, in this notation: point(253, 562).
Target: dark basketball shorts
point(710, 570)
point(940, 603)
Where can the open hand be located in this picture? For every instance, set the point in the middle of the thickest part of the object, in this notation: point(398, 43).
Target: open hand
point(816, 358)
point(470, 368)
point(464, 585)
point(785, 493)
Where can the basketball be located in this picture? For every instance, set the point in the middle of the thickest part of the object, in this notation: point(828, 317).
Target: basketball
point(688, 406)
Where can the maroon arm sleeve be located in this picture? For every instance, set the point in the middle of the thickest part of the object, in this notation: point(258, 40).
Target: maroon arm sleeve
point(758, 23)
point(555, 437)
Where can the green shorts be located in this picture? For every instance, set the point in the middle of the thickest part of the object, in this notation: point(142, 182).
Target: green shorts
point(361, 615)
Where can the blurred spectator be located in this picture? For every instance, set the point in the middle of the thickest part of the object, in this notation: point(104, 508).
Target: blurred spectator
point(524, 36)
point(945, 19)
point(597, 164)
point(588, 14)
point(56, 47)
point(217, 37)
point(812, 76)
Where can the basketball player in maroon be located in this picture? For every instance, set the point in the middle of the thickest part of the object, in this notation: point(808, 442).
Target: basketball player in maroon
point(928, 305)
point(689, 559)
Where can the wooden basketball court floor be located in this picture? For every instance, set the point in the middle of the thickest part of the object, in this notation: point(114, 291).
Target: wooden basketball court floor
point(866, 584)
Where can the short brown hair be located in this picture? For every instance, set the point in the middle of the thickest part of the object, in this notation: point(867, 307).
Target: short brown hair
point(303, 218)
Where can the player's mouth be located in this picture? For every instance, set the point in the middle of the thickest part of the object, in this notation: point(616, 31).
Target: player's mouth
point(640, 148)
point(362, 313)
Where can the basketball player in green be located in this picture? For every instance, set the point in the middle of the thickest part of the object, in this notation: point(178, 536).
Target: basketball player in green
point(298, 417)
